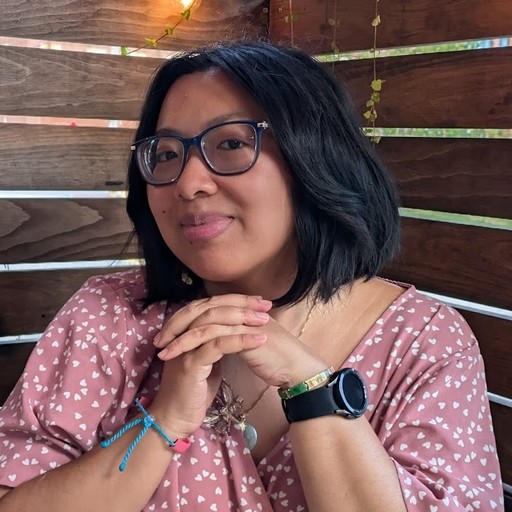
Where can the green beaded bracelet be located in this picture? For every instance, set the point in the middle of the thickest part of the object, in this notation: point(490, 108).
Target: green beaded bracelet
point(307, 385)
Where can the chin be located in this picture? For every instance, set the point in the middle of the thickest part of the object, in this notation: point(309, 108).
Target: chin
point(223, 269)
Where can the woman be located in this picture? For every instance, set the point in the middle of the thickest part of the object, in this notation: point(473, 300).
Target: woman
point(264, 217)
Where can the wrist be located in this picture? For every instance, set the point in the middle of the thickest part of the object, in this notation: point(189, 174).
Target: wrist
point(146, 422)
point(167, 420)
point(171, 427)
point(302, 370)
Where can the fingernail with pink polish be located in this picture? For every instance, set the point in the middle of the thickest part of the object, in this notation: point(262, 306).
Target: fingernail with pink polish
point(261, 315)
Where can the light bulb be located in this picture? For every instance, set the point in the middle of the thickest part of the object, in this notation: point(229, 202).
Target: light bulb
point(183, 5)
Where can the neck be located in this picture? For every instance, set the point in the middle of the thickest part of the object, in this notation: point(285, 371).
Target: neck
point(270, 288)
point(294, 317)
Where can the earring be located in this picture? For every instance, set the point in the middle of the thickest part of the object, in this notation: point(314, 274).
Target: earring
point(186, 278)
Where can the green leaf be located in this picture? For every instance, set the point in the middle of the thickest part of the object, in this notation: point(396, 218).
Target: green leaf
point(377, 84)
point(124, 51)
point(376, 139)
point(169, 31)
point(186, 15)
point(367, 114)
point(370, 103)
point(375, 97)
point(334, 47)
point(291, 18)
point(376, 21)
point(151, 42)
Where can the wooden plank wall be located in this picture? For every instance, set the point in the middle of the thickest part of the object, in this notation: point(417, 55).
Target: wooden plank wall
point(457, 89)
point(466, 89)
point(129, 22)
point(79, 153)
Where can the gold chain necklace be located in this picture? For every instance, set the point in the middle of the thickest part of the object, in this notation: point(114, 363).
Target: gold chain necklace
point(227, 408)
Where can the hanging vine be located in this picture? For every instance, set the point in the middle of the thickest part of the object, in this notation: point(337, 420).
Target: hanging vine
point(334, 23)
point(291, 18)
point(169, 31)
point(376, 83)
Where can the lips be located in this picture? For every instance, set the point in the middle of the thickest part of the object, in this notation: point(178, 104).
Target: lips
point(205, 226)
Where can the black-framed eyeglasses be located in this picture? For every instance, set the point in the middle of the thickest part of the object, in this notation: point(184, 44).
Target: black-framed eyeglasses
point(227, 148)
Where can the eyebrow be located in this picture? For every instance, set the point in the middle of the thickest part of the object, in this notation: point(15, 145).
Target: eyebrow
point(212, 122)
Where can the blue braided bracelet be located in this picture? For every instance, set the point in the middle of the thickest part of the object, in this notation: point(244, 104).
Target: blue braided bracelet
point(148, 422)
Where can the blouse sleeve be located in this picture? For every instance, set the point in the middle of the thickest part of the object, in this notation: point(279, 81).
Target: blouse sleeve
point(52, 416)
point(438, 430)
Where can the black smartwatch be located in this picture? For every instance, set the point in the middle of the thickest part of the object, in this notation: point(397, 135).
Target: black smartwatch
point(345, 394)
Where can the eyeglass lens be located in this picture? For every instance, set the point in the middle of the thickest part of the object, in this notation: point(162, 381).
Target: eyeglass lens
point(228, 149)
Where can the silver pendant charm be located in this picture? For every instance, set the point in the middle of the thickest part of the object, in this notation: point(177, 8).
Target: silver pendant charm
point(250, 436)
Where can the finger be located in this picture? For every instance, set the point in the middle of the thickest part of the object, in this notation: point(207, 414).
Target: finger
point(183, 319)
point(231, 315)
point(195, 337)
point(215, 348)
point(217, 316)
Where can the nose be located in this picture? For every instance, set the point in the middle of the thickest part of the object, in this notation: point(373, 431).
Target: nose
point(196, 180)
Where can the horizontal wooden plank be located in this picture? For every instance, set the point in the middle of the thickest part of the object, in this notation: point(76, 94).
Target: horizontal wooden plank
point(41, 293)
point(129, 22)
point(459, 89)
point(502, 421)
point(469, 176)
point(404, 23)
point(38, 82)
point(12, 362)
point(462, 261)
point(63, 157)
point(494, 335)
point(469, 89)
point(34, 230)
point(467, 262)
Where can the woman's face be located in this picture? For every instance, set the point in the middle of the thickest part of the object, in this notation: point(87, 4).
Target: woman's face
point(236, 232)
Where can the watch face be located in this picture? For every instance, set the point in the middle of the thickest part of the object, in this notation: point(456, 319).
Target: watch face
point(350, 393)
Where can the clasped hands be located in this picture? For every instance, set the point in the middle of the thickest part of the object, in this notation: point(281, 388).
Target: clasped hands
point(195, 339)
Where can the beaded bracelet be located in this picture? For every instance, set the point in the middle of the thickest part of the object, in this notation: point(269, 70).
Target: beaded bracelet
point(179, 445)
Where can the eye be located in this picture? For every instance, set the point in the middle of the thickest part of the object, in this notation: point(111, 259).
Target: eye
point(165, 156)
point(231, 144)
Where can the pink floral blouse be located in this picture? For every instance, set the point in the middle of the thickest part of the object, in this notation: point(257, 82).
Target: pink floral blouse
point(420, 360)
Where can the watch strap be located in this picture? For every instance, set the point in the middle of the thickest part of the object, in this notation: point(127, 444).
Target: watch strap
point(345, 394)
point(309, 405)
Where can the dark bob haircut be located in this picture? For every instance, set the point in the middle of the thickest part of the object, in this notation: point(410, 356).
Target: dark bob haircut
point(345, 204)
